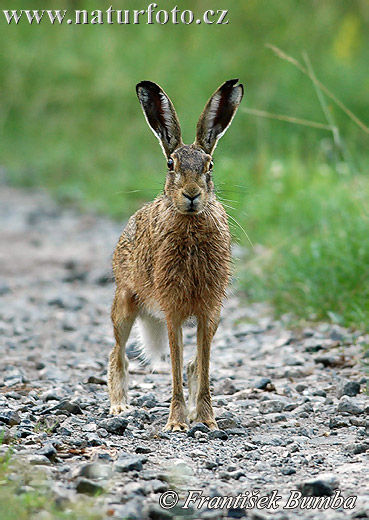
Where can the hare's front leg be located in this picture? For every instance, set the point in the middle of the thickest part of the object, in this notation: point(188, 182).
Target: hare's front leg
point(177, 412)
point(123, 314)
point(198, 374)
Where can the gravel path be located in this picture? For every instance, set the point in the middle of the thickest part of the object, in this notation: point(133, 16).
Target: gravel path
point(292, 406)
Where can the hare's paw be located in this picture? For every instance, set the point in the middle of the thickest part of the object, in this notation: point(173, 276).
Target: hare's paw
point(176, 426)
point(207, 419)
point(116, 409)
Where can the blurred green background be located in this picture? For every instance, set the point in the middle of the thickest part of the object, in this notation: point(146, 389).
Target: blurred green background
point(70, 121)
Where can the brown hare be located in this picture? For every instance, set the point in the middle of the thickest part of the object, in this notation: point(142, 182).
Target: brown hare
point(172, 260)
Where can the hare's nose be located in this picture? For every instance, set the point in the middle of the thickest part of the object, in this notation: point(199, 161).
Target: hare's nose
point(191, 198)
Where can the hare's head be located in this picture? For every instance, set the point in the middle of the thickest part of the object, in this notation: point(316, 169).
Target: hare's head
point(189, 183)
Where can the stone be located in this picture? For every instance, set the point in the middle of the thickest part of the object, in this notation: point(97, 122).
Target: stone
point(116, 425)
point(127, 462)
point(14, 376)
point(350, 388)
point(198, 427)
point(88, 487)
point(143, 449)
point(95, 471)
point(225, 387)
point(338, 422)
point(97, 380)
point(349, 405)
point(323, 485)
point(10, 418)
point(227, 420)
point(271, 406)
point(262, 383)
point(357, 448)
point(38, 460)
point(137, 488)
point(158, 513)
point(218, 434)
point(48, 451)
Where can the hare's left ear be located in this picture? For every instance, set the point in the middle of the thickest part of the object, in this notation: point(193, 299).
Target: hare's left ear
point(218, 114)
point(160, 115)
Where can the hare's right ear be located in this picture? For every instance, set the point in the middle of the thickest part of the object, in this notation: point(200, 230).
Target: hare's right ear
point(218, 114)
point(160, 115)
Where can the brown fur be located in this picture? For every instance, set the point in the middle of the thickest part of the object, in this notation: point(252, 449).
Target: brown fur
point(173, 257)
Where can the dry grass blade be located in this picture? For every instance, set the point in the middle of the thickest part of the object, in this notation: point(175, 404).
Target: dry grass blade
point(322, 87)
point(334, 128)
point(288, 119)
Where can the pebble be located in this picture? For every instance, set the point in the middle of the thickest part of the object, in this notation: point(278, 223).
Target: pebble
point(48, 451)
point(88, 487)
point(350, 388)
point(127, 462)
point(198, 427)
point(262, 383)
point(10, 418)
point(218, 434)
point(115, 425)
point(271, 406)
point(349, 405)
point(323, 485)
point(95, 471)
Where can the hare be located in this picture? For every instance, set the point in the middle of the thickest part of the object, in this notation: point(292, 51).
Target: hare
point(172, 260)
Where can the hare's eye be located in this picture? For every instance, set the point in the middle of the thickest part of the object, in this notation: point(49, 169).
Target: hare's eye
point(170, 164)
point(211, 165)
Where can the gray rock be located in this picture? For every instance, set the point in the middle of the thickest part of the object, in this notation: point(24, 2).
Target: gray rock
point(48, 451)
point(116, 425)
point(271, 406)
point(128, 462)
point(262, 384)
point(198, 427)
point(228, 420)
point(38, 460)
point(218, 434)
point(131, 510)
point(14, 376)
point(338, 422)
point(349, 405)
point(94, 440)
point(357, 448)
point(137, 488)
point(10, 418)
point(158, 513)
point(143, 449)
point(323, 485)
point(148, 400)
point(54, 394)
point(52, 373)
point(225, 387)
point(4, 288)
point(68, 406)
point(350, 388)
point(88, 487)
point(95, 471)
point(97, 380)
point(288, 471)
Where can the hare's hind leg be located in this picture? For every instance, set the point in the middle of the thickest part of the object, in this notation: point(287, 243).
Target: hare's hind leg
point(198, 373)
point(123, 314)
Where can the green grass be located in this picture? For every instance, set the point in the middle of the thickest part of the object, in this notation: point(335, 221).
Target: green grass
point(70, 122)
point(21, 503)
point(312, 251)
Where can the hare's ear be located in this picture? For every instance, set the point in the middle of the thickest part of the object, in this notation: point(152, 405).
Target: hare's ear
point(160, 115)
point(218, 114)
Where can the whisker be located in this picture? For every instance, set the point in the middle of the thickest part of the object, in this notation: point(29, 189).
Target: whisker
point(239, 225)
